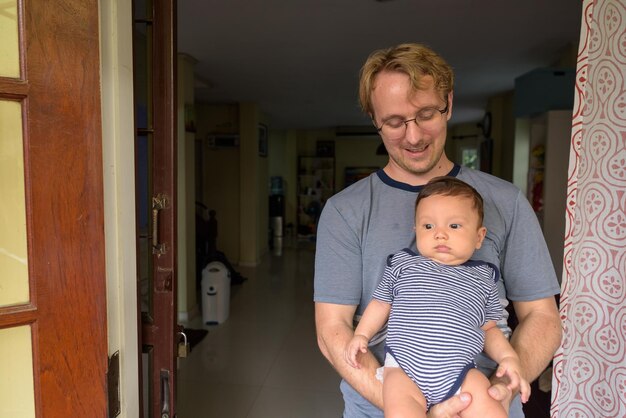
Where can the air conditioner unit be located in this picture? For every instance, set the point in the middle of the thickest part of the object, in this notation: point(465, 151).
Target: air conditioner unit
point(367, 130)
point(544, 89)
point(223, 141)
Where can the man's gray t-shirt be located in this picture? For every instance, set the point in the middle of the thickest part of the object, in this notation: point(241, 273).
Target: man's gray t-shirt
point(363, 224)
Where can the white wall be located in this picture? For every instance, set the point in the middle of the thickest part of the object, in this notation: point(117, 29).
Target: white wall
point(119, 195)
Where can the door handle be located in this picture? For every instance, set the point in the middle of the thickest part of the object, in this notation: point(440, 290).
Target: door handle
point(165, 394)
point(158, 203)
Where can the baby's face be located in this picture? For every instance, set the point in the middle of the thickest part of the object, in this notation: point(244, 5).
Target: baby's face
point(447, 229)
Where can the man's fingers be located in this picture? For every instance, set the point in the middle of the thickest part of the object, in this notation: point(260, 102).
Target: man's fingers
point(515, 381)
point(451, 408)
point(499, 392)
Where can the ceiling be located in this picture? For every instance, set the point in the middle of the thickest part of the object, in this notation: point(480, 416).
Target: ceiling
point(300, 59)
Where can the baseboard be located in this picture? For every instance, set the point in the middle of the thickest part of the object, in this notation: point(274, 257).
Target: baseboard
point(187, 316)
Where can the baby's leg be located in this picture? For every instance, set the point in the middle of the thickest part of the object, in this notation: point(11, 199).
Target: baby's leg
point(482, 404)
point(401, 396)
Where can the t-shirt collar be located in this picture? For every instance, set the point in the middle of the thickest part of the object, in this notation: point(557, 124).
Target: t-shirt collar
point(407, 187)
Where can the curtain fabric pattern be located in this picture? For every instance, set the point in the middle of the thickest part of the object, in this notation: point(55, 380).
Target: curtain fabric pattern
point(590, 366)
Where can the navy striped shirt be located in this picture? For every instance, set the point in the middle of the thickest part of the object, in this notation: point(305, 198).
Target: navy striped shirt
point(434, 329)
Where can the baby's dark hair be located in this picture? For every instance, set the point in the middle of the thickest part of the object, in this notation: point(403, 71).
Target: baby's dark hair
point(451, 186)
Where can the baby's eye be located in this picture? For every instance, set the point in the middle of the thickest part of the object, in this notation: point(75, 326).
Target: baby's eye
point(455, 226)
point(428, 226)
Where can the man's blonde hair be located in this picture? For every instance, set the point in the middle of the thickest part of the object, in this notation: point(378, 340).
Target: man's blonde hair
point(414, 60)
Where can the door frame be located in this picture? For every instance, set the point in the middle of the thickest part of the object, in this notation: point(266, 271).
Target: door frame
point(158, 333)
point(120, 223)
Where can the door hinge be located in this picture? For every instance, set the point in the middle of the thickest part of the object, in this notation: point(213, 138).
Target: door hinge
point(113, 383)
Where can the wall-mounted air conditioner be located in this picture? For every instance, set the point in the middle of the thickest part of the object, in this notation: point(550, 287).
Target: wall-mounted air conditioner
point(223, 141)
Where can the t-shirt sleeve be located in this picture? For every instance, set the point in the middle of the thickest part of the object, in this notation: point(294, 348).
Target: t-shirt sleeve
point(384, 290)
point(493, 308)
point(338, 262)
point(526, 265)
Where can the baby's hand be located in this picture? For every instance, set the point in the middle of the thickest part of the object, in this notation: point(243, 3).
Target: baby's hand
point(510, 367)
point(357, 345)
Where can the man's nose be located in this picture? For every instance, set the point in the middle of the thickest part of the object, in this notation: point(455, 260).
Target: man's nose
point(413, 131)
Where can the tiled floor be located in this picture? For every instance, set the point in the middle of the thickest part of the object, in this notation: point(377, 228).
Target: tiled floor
point(263, 362)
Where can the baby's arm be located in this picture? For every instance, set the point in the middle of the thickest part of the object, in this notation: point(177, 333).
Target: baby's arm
point(500, 350)
point(373, 319)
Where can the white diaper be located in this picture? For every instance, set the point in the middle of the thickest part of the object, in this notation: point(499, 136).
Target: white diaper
point(390, 361)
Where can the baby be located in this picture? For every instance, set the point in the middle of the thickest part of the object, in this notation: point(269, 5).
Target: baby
point(441, 309)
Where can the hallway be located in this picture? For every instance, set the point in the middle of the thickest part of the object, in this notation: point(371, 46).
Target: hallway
point(263, 362)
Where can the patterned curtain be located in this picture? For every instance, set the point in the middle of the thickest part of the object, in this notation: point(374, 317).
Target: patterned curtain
point(590, 366)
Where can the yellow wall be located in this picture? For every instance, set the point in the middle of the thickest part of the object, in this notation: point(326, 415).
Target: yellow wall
point(503, 134)
point(221, 173)
point(249, 190)
point(236, 180)
point(282, 161)
point(356, 152)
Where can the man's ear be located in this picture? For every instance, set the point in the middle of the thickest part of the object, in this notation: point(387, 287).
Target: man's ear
point(450, 100)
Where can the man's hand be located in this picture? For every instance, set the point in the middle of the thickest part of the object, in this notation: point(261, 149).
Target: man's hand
point(334, 332)
point(500, 391)
point(451, 408)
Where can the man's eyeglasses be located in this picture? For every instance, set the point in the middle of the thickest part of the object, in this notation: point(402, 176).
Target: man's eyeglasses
point(395, 128)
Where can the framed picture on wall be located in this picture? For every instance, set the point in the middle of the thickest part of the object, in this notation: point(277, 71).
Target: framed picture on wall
point(262, 140)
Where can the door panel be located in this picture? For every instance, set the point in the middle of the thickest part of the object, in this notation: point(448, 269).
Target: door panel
point(155, 157)
point(16, 359)
point(58, 319)
point(13, 246)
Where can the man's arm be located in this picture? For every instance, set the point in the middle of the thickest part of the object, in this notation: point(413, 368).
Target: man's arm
point(537, 336)
point(334, 330)
point(374, 318)
point(535, 340)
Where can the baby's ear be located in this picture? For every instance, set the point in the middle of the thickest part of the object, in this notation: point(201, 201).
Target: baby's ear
point(482, 232)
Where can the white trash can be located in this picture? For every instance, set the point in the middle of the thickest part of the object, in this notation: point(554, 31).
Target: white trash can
point(215, 293)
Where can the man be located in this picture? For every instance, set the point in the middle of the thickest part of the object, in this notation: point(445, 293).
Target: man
point(408, 93)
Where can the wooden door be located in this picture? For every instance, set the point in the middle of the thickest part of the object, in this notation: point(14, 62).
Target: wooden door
point(155, 156)
point(52, 266)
